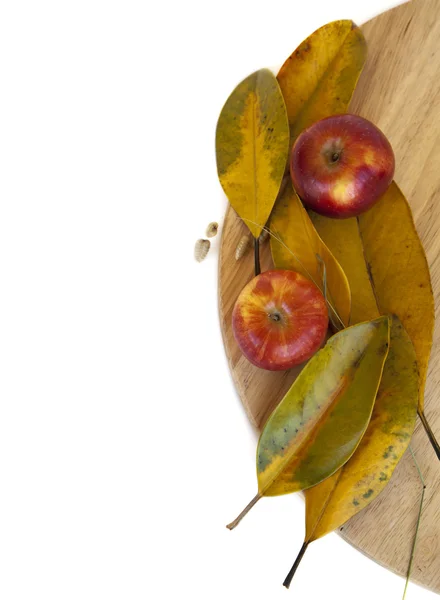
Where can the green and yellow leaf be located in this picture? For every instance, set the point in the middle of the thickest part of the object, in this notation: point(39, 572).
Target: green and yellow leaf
point(319, 77)
point(320, 422)
point(295, 245)
point(384, 261)
point(252, 145)
point(331, 503)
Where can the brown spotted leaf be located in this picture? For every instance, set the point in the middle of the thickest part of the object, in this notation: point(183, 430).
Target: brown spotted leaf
point(331, 503)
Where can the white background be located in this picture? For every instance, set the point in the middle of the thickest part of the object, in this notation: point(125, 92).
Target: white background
point(124, 449)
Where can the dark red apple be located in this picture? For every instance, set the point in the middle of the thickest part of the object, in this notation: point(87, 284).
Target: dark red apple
point(280, 320)
point(341, 166)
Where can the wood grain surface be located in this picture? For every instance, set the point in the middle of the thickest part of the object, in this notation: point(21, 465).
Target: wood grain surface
point(399, 90)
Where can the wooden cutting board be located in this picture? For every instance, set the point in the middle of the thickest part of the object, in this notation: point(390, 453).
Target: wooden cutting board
point(399, 90)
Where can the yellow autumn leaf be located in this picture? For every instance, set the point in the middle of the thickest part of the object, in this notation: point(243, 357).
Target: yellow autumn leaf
point(384, 261)
point(343, 238)
point(319, 77)
point(331, 503)
point(252, 144)
point(357, 483)
point(295, 245)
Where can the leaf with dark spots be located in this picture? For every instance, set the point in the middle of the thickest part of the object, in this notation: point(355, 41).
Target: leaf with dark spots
point(336, 499)
point(330, 504)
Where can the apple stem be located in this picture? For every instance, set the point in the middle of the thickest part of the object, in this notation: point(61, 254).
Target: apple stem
point(244, 512)
point(429, 433)
point(295, 565)
point(257, 256)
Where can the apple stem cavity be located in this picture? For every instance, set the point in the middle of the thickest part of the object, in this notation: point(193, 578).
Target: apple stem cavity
point(429, 433)
point(335, 157)
point(244, 512)
point(257, 256)
point(295, 565)
point(275, 317)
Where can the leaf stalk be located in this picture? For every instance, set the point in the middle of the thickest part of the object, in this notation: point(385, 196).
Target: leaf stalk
point(429, 433)
point(295, 565)
point(257, 256)
point(244, 512)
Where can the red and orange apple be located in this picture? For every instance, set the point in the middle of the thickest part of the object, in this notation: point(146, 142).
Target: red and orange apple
point(341, 165)
point(280, 320)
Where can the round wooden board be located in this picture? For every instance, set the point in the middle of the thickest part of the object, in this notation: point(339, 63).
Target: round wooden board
point(399, 90)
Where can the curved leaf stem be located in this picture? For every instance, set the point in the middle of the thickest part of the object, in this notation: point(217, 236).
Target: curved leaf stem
point(244, 512)
point(295, 565)
point(429, 433)
point(413, 549)
point(257, 256)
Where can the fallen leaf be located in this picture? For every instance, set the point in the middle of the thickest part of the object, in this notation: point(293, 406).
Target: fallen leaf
point(252, 144)
point(357, 483)
point(319, 77)
point(320, 421)
point(386, 267)
point(331, 503)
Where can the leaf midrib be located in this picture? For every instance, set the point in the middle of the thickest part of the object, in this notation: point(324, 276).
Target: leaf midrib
point(368, 267)
point(326, 503)
point(254, 153)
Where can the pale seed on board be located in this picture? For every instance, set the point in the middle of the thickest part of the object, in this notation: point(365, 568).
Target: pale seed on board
point(201, 249)
point(242, 247)
point(212, 229)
